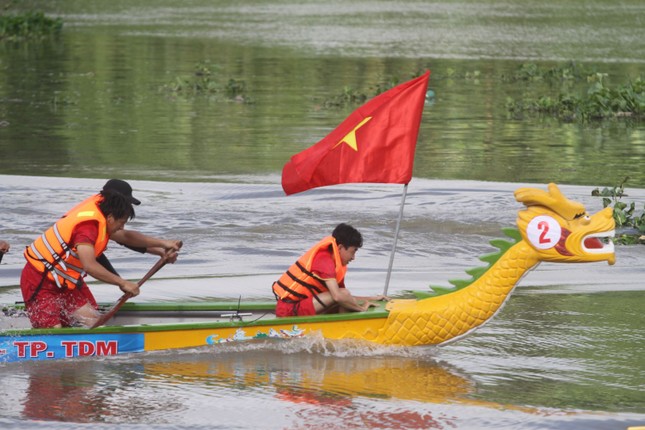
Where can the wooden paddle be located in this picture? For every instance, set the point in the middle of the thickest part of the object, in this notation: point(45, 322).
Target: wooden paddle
point(124, 298)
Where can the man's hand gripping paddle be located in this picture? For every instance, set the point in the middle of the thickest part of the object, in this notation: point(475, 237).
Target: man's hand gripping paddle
point(124, 298)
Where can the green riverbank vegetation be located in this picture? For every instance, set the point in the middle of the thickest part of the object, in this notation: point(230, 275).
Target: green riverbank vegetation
point(576, 94)
point(27, 25)
point(205, 81)
point(630, 223)
point(569, 92)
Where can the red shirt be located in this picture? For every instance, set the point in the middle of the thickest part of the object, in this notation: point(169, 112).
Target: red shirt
point(324, 266)
point(85, 232)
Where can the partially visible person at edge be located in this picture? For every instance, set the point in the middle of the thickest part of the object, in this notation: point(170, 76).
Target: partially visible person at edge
point(4, 248)
point(52, 283)
point(315, 283)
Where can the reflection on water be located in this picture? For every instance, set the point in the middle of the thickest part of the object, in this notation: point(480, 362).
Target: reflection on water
point(568, 350)
point(95, 97)
point(302, 383)
point(65, 393)
point(149, 388)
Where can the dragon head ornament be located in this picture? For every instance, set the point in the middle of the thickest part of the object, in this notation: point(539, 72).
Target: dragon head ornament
point(561, 230)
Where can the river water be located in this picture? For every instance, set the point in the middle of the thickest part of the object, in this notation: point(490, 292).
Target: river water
point(566, 352)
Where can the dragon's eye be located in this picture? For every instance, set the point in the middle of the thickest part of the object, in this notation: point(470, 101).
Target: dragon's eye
point(583, 217)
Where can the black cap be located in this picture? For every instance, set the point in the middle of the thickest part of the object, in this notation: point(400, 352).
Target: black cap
point(121, 187)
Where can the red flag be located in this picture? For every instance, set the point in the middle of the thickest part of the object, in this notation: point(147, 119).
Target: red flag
point(375, 143)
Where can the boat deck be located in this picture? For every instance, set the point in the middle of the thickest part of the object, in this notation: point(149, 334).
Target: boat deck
point(163, 316)
point(14, 317)
point(145, 317)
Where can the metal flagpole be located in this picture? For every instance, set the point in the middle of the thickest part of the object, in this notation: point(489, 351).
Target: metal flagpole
point(396, 237)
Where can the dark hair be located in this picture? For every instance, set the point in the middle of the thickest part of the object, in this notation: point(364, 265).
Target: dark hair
point(116, 204)
point(347, 236)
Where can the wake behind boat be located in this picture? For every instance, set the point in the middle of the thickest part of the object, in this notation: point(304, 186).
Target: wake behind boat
point(550, 228)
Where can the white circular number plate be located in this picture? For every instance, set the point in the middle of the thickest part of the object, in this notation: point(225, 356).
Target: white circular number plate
point(543, 232)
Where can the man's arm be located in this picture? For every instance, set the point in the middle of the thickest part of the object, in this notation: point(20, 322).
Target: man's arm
point(85, 253)
point(344, 298)
point(377, 298)
point(139, 241)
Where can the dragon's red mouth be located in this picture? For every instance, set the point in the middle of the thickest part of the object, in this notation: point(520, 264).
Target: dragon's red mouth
point(599, 242)
point(593, 243)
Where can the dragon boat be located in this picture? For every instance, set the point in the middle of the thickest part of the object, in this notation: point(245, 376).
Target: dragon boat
point(550, 228)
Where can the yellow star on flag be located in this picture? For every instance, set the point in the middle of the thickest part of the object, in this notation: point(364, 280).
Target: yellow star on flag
point(350, 138)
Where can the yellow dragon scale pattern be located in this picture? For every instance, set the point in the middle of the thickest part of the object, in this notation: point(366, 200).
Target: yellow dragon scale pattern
point(437, 320)
point(553, 229)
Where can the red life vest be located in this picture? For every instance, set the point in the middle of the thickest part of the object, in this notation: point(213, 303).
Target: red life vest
point(299, 282)
point(52, 253)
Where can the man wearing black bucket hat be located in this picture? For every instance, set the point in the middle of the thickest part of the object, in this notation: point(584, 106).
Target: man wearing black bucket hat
point(52, 283)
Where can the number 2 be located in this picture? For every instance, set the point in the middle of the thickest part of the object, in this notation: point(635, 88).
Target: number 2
point(544, 226)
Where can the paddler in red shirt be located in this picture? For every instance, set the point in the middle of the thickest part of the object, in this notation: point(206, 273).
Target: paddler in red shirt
point(315, 283)
point(52, 281)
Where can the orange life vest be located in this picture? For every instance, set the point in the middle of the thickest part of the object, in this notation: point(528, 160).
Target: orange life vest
point(52, 253)
point(299, 282)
